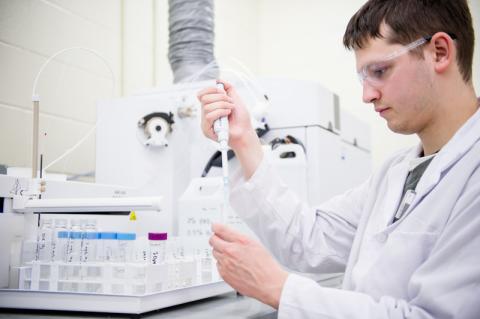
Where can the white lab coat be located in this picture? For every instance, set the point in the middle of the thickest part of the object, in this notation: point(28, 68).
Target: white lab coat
point(426, 265)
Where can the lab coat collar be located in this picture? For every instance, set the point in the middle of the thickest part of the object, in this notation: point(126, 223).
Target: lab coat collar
point(461, 142)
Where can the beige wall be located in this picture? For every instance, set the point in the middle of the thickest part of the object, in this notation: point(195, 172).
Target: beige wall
point(295, 39)
point(31, 31)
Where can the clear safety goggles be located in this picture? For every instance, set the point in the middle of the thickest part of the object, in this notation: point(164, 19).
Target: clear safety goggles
point(376, 73)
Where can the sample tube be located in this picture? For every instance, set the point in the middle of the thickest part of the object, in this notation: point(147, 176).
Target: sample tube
point(44, 241)
point(158, 247)
point(142, 250)
point(109, 249)
point(89, 241)
point(126, 246)
point(59, 244)
point(74, 242)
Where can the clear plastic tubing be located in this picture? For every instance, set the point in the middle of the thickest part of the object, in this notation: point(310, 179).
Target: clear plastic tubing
point(108, 242)
point(126, 247)
point(158, 247)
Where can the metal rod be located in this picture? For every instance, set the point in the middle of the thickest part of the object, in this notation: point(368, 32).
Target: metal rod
point(36, 112)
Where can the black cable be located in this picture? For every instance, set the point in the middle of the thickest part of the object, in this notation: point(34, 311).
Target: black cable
point(216, 159)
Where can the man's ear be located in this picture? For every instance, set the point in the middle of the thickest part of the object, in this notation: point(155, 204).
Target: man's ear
point(443, 51)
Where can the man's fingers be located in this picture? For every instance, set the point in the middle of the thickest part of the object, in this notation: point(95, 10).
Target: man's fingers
point(217, 255)
point(227, 234)
point(214, 90)
point(205, 91)
point(227, 86)
point(215, 115)
point(218, 105)
point(211, 98)
point(218, 244)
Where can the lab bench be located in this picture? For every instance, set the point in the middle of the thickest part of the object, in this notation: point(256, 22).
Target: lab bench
point(226, 306)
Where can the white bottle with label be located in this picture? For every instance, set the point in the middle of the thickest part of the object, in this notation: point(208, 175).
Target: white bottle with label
point(158, 247)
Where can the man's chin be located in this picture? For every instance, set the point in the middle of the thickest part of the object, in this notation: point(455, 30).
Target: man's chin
point(398, 129)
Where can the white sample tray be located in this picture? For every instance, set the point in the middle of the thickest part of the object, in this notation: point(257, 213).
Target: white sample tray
point(88, 302)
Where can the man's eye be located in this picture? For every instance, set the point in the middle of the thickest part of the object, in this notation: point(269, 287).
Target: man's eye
point(378, 72)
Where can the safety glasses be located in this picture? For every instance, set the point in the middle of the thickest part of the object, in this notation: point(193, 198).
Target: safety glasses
point(376, 73)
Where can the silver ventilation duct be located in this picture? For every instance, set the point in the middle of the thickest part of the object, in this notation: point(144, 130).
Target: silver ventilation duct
point(191, 28)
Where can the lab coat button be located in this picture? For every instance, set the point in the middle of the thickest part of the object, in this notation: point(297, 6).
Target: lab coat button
point(382, 237)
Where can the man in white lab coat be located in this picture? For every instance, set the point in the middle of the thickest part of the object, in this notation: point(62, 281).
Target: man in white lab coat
point(409, 237)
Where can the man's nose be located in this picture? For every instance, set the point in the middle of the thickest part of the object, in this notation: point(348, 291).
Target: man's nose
point(370, 93)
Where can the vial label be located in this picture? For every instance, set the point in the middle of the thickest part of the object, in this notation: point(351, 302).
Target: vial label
point(155, 257)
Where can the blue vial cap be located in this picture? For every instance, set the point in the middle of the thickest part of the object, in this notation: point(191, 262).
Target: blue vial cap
point(126, 236)
point(75, 235)
point(62, 234)
point(108, 235)
point(91, 235)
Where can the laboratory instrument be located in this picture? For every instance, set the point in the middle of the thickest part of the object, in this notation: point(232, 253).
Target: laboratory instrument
point(160, 181)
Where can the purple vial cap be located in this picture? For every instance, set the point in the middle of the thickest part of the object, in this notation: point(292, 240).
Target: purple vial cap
point(157, 236)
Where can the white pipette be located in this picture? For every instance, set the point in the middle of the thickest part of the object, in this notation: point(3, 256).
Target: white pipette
point(220, 127)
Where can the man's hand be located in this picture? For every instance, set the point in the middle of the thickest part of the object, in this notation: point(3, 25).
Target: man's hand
point(215, 104)
point(247, 266)
point(242, 137)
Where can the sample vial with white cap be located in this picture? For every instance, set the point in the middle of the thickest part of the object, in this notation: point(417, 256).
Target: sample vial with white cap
point(158, 247)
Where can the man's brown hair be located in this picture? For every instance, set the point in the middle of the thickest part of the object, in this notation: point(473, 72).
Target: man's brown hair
point(410, 20)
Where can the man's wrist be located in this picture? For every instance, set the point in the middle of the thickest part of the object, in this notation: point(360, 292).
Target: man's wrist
point(245, 142)
point(275, 292)
point(248, 150)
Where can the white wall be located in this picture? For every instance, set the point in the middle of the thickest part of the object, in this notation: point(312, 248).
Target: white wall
point(31, 31)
